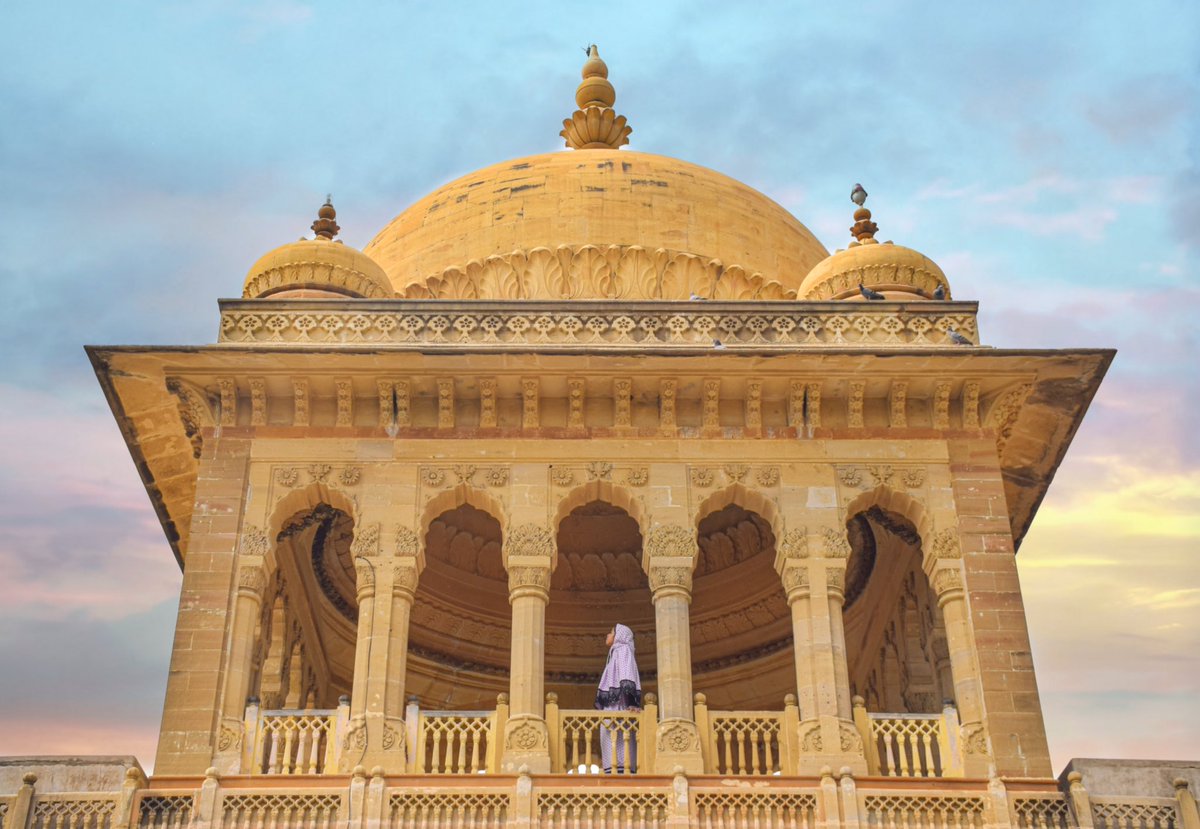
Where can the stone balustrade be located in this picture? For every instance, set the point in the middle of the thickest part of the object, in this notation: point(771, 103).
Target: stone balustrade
point(911, 745)
point(361, 801)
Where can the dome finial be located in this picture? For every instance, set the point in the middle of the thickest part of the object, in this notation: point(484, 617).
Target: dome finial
point(325, 226)
point(864, 229)
point(595, 125)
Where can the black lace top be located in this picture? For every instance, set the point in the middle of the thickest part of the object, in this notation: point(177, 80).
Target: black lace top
point(627, 696)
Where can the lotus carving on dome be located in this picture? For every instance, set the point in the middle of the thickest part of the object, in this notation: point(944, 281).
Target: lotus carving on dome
point(596, 127)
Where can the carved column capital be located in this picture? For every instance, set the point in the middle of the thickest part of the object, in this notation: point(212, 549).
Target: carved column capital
point(670, 575)
point(529, 580)
point(405, 572)
point(796, 580)
point(364, 571)
point(252, 578)
point(529, 540)
point(947, 583)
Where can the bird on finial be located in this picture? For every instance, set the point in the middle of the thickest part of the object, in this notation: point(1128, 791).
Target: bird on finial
point(939, 292)
point(326, 226)
point(858, 195)
point(957, 338)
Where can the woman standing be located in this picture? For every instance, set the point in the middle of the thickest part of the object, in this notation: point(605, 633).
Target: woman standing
point(620, 690)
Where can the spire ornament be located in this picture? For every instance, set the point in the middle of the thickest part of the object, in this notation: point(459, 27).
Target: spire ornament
point(595, 125)
point(326, 226)
point(864, 229)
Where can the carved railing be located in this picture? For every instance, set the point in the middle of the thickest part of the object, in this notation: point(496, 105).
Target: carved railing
point(1135, 813)
point(375, 800)
point(292, 741)
point(910, 745)
point(74, 811)
point(741, 743)
point(576, 736)
point(590, 324)
point(455, 742)
point(164, 810)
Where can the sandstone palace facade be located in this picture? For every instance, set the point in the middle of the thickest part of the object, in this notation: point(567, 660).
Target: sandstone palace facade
point(411, 488)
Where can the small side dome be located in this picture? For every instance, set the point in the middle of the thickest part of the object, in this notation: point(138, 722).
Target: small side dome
point(317, 268)
point(897, 272)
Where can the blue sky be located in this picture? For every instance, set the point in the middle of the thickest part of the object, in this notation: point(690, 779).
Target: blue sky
point(1046, 155)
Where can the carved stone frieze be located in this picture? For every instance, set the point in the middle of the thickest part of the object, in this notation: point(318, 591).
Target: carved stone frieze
point(319, 472)
point(881, 474)
point(1004, 413)
point(529, 540)
point(945, 544)
point(487, 403)
point(227, 400)
point(229, 738)
point(288, 476)
point(759, 326)
point(941, 405)
point(258, 401)
point(529, 402)
point(854, 404)
point(671, 540)
point(678, 738)
point(344, 390)
point(666, 404)
point(638, 476)
point(836, 543)
point(562, 476)
point(794, 543)
point(913, 477)
point(366, 540)
point(702, 477)
point(525, 735)
point(736, 472)
point(812, 405)
point(622, 402)
point(599, 471)
point(254, 541)
point(768, 476)
point(497, 476)
point(970, 404)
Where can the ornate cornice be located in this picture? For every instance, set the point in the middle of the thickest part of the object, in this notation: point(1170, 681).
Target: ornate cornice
point(588, 324)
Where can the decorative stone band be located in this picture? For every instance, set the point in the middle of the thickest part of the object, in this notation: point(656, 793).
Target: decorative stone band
point(591, 324)
point(314, 274)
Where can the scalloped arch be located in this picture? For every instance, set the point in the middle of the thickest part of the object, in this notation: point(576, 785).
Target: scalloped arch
point(609, 493)
point(454, 498)
point(900, 503)
point(307, 498)
point(747, 499)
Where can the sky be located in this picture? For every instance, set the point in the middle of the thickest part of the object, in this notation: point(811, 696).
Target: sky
point(1047, 156)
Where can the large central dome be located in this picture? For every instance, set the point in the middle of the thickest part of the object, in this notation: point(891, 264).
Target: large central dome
point(596, 224)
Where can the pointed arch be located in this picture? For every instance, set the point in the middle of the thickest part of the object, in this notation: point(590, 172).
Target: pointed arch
point(748, 499)
point(609, 493)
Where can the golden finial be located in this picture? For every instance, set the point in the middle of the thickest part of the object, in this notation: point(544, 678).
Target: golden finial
point(864, 229)
point(595, 125)
point(325, 226)
point(595, 90)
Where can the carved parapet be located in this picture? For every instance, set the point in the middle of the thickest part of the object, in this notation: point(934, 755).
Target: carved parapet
point(751, 319)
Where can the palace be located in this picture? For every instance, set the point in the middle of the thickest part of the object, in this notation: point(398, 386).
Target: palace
point(411, 488)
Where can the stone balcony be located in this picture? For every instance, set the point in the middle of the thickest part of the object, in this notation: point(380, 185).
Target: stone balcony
point(362, 800)
point(741, 744)
point(595, 325)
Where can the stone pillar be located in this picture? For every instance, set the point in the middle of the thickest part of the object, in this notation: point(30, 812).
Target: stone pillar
point(948, 585)
point(529, 559)
point(791, 562)
point(828, 736)
point(191, 723)
point(669, 558)
point(355, 746)
point(247, 610)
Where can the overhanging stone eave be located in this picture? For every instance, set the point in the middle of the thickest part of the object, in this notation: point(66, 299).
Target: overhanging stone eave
point(1026, 482)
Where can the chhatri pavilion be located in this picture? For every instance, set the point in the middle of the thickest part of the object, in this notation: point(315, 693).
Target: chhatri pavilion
point(411, 489)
